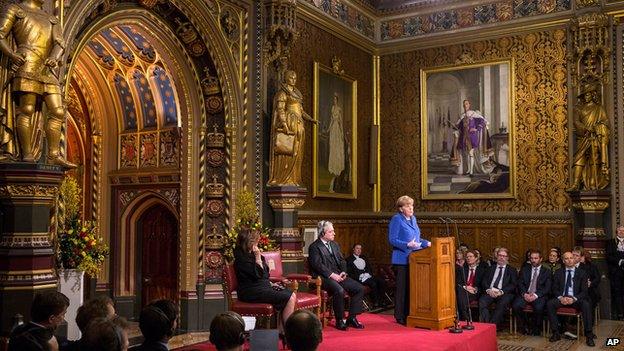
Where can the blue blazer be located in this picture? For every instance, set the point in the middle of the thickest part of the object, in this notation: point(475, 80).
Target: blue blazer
point(400, 232)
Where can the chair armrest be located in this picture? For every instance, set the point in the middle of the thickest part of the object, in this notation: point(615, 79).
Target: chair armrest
point(299, 277)
point(276, 279)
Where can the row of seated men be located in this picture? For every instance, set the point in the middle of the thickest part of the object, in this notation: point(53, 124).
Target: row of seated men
point(544, 287)
point(103, 330)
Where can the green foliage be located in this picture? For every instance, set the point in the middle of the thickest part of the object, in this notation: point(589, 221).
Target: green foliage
point(80, 247)
point(247, 217)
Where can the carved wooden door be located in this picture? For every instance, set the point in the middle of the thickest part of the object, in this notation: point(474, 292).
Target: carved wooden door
point(159, 259)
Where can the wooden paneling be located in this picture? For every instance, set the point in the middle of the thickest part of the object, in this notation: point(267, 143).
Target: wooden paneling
point(517, 235)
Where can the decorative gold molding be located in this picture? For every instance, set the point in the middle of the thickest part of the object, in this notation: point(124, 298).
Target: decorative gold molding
point(286, 203)
point(587, 3)
point(596, 253)
point(591, 206)
point(21, 190)
point(286, 233)
point(591, 232)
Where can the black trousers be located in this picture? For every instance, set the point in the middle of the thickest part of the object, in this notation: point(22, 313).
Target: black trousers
point(502, 305)
point(617, 292)
point(336, 291)
point(583, 305)
point(539, 305)
point(464, 298)
point(378, 287)
point(401, 295)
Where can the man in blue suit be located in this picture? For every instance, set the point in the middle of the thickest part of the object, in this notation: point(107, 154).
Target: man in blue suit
point(404, 237)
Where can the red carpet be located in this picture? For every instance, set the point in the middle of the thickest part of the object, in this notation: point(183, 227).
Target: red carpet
point(382, 333)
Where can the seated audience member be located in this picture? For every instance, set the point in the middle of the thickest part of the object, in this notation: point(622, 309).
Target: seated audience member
point(569, 286)
point(303, 331)
point(499, 286)
point(554, 261)
point(46, 314)
point(361, 270)
point(98, 307)
point(492, 261)
point(106, 334)
point(158, 322)
point(460, 257)
point(252, 273)
point(614, 254)
point(527, 259)
point(480, 262)
point(468, 278)
point(327, 262)
point(227, 331)
point(534, 285)
point(585, 263)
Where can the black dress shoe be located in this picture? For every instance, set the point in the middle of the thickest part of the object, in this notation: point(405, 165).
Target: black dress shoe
point(353, 322)
point(401, 321)
point(555, 337)
point(590, 341)
point(341, 325)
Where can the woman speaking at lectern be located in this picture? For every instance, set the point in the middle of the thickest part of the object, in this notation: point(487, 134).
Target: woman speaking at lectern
point(404, 237)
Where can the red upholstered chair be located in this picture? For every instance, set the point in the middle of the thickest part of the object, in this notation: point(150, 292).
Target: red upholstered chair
point(569, 312)
point(230, 284)
point(305, 300)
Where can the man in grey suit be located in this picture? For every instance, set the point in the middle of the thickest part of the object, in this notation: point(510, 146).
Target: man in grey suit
point(327, 262)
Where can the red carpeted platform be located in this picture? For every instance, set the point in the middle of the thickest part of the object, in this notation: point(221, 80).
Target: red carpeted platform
point(382, 333)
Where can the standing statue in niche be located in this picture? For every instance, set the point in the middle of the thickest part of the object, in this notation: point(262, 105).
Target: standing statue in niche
point(590, 168)
point(32, 40)
point(287, 133)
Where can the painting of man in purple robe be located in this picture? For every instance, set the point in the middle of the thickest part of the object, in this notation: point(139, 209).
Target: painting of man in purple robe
point(472, 142)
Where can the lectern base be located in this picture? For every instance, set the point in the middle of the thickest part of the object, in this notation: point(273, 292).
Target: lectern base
point(427, 323)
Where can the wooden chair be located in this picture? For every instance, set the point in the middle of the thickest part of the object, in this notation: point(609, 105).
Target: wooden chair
point(569, 312)
point(305, 300)
point(527, 309)
point(230, 285)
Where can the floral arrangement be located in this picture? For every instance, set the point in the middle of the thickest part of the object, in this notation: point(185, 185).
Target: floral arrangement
point(79, 245)
point(247, 218)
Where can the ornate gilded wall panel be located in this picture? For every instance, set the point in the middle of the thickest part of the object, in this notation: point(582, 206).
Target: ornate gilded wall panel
point(541, 121)
point(359, 66)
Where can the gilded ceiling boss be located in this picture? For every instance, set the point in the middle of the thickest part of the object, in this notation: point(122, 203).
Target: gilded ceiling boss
point(32, 39)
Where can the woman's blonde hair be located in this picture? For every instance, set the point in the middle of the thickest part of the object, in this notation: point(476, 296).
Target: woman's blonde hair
point(403, 200)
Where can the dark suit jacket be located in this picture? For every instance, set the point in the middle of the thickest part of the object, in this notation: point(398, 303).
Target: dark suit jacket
point(29, 337)
point(151, 346)
point(355, 272)
point(324, 263)
point(462, 280)
point(543, 281)
point(593, 274)
point(613, 257)
point(579, 283)
point(510, 278)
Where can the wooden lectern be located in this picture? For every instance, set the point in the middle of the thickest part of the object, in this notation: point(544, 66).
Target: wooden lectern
point(432, 285)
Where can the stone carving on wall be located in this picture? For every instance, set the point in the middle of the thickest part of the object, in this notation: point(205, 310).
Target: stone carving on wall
point(149, 151)
point(128, 151)
point(280, 32)
point(169, 147)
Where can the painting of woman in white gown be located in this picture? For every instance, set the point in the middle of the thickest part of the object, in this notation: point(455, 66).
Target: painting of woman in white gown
point(334, 143)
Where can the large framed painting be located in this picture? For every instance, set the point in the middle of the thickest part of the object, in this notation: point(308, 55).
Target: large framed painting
point(334, 163)
point(467, 140)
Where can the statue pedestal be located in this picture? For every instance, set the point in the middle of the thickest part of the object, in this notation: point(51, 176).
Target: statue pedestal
point(589, 209)
point(286, 201)
point(27, 198)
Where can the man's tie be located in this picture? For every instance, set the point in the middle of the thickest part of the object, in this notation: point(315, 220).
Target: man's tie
point(533, 284)
point(328, 247)
point(470, 281)
point(568, 283)
point(498, 278)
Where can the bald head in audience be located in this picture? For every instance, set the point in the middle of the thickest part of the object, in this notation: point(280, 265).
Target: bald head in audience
point(303, 331)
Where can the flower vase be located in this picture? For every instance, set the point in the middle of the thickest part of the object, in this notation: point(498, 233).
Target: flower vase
point(71, 284)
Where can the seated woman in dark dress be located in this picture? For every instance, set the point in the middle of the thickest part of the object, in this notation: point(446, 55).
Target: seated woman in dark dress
point(252, 273)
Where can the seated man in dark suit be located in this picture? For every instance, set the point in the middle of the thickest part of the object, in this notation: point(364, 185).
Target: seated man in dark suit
point(498, 285)
point(468, 280)
point(327, 262)
point(533, 289)
point(361, 270)
point(614, 253)
point(569, 286)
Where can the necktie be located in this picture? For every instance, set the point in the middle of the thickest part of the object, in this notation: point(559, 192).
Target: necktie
point(568, 283)
point(470, 281)
point(498, 278)
point(328, 247)
point(533, 284)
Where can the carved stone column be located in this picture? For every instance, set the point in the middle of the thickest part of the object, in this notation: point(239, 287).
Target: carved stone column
point(28, 194)
point(590, 210)
point(286, 201)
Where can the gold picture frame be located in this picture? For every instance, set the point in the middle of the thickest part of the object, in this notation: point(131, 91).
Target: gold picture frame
point(467, 131)
point(334, 160)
